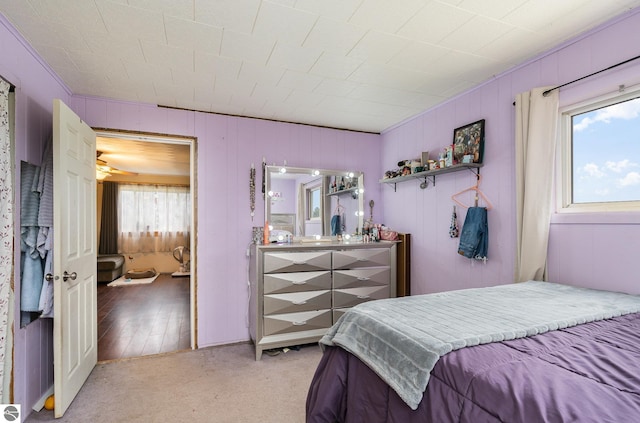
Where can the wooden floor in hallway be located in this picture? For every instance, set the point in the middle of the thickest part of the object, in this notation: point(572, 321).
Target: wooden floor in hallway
point(143, 319)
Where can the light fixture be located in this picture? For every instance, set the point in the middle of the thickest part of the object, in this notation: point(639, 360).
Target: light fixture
point(101, 174)
point(315, 172)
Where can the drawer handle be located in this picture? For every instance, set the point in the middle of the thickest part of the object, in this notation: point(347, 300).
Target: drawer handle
point(362, 278)
point(298, 282)
point(299, 323)
point(298, 302)
point(363, 259)
point(299, 262)
point(363, 297)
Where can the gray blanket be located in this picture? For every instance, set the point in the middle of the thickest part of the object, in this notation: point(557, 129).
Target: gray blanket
point(401, 339)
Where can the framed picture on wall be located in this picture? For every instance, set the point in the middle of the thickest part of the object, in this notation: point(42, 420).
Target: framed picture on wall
point(468, 143)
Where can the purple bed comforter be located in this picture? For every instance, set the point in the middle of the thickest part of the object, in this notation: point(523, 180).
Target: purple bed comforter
point(586, 373)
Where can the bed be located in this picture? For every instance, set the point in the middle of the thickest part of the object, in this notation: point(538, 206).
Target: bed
point(527, 352)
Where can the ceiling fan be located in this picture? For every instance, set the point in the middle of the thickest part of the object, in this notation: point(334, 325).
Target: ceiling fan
point(103, 170)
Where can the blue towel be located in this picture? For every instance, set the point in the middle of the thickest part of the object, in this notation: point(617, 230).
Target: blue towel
point(31, 287)
point(32, 274)
point(29, 200)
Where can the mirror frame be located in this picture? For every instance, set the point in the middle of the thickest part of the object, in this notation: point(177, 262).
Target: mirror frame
point(356, 192)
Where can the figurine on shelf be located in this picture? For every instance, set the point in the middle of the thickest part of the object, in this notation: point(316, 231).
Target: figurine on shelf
point(404, 167)
point(391, 174)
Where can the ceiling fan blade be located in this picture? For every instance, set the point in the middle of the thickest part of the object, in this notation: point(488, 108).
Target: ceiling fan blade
point(102, 166)
point(121, 172)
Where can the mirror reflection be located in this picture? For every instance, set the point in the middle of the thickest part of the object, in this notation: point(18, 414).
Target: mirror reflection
point(305, 202)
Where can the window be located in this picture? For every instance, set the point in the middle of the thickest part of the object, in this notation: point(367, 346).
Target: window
point(600, 155)
point(153, 218)
point(313, 203)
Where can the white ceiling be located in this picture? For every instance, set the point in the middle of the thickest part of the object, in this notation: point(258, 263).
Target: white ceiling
point(356, 64)
point(144, 155)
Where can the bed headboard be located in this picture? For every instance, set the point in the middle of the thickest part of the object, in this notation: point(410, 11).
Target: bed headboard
point(283, 222)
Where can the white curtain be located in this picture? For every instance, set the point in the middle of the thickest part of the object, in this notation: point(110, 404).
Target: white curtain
point(301, 217)
point(536, 132)
point(153, 218)
point(6, 245)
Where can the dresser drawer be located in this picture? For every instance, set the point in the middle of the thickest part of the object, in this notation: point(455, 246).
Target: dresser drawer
point(371, 276)
point(297, 322)
point(297, 261)
point(338, 312)
point(354, 296)
point(280, 283)
point(297, 301)
point(361, 258)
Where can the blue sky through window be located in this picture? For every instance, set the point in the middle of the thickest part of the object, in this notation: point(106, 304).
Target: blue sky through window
point(606, 154)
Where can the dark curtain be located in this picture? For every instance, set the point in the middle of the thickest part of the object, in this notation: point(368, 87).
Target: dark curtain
point(109, 221)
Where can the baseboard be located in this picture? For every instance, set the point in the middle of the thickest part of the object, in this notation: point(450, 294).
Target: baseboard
point(40, 403)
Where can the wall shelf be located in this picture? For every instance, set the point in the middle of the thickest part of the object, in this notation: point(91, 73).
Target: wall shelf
point(343, 191)
point(431, 174)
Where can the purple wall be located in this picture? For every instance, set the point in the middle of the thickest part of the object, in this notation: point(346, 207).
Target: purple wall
point(286, 203)
point(36, 87)
point(593, 251)
point(226, 148)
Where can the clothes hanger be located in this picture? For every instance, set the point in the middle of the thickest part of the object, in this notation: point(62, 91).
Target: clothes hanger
point(339, 208)
point(478, 194)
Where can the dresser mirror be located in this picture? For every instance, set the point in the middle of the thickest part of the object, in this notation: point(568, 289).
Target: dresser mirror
point(302, 202)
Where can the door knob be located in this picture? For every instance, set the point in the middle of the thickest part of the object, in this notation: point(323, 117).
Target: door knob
point(66, 276)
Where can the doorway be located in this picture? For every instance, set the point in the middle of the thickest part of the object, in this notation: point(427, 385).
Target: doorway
point(145, 319)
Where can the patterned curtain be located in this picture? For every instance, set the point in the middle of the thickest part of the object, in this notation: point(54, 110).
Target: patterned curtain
point(6, 245)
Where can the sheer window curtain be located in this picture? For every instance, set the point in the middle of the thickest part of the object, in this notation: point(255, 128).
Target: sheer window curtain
point(153, 218)
point(6, 245)
point(536, 132)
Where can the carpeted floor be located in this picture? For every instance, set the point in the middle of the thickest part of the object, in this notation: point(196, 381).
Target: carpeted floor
point(217, 384)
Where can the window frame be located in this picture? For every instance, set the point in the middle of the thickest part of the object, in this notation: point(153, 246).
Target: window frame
point(310, 189)
point(564, 168)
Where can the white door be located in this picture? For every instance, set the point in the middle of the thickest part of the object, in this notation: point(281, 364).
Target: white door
point(75, 342)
